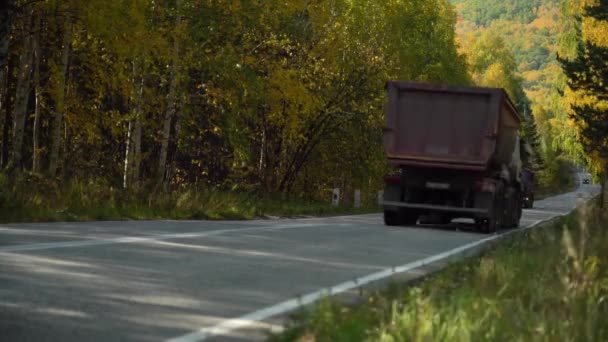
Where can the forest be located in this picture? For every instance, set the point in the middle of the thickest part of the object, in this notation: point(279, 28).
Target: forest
point(118, 101)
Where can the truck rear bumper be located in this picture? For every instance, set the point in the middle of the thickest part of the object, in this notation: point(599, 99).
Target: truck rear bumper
point(477, 212)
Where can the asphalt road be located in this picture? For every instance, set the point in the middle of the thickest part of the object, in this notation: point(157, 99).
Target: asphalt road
point(158, 280)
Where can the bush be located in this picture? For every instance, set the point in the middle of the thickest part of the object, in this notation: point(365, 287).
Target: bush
point(33, 198)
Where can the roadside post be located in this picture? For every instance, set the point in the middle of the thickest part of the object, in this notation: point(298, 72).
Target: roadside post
point(357, 200)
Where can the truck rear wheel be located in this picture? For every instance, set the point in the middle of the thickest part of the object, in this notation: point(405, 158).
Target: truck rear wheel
point(514, 203)
point(400, 218)
point(492, 223)
point(486, 225)
point(530, 202)
point(510, 206)
point(409, 218)
point(391, 218)
point(518, 210)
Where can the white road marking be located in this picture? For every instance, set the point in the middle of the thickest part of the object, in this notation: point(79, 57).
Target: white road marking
point(534, 211)
point(255, 317)
point(159, 237)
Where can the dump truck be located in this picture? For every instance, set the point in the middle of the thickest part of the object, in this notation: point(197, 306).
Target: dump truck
point(456, 152)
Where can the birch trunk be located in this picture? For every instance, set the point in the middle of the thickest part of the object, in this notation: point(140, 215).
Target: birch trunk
point(60, 106)
point(125, 177)
point(21, 100)
point(133, 146)
point(171, 110)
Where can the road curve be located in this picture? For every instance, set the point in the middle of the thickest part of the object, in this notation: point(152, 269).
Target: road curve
point(162, 280)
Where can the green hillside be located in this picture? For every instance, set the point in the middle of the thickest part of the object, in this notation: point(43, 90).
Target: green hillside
point(531, 30)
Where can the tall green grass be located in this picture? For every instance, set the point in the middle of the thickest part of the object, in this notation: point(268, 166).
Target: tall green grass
point(33, 198)
point(549, 285)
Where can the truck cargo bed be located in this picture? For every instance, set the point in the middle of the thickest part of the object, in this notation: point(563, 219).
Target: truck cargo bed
point(450, 127)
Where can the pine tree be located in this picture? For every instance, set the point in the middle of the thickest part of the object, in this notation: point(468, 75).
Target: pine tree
point(588, 76)
point(588, 73)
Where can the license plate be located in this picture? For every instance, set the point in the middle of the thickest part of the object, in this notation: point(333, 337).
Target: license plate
point(439, 186)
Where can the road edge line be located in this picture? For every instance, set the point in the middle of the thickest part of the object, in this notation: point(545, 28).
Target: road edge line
point(289, 305)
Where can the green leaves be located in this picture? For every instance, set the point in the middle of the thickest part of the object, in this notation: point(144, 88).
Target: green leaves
point(587, 75)
point(268, 95)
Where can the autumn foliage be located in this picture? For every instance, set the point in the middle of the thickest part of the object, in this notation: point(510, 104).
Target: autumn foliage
point(258, 95)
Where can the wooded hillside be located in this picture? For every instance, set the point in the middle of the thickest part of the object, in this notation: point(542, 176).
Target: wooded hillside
point(532, 32)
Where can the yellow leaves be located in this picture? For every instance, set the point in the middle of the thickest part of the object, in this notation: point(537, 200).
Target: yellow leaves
point(543, 23)
point(498, 76)
point(595, 31)
point(533, 75)
point(290, 101)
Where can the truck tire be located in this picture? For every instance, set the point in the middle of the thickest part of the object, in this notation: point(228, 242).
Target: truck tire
point(515, 202)
point(486, 225)
point(518, 210)
point(511, 213)
point(531, 202)
point(409, 218)
point(391, 218)
point(400, 218)
point(491, 224)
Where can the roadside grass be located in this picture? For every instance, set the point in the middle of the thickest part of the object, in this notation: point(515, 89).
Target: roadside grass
point(549, 284)
point(35, 199)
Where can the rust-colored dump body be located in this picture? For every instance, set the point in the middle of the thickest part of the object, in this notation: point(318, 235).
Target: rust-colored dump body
point(449, 127)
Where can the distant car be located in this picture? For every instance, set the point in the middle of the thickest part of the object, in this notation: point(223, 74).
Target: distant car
point(586, 181)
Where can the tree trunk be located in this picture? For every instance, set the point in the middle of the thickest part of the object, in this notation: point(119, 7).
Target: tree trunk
point(128, 156)
point(171, 107)
point(38, 94)
point(261, 162)
point(137, 142)
point(60, 106)
point(6, 21)
point(173, 166)
point(604, 190)
point(6, 106)
point(5, 118)
point(22, 93)
point(133, 148)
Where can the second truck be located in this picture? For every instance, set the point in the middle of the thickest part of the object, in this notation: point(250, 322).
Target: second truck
point(457, 152)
